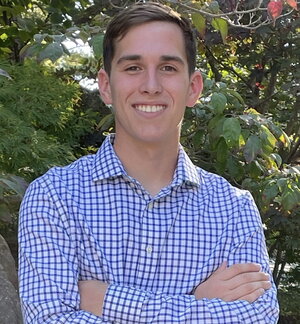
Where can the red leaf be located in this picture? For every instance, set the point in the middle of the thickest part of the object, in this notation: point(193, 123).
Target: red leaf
point(292, 3)
point(275, 9)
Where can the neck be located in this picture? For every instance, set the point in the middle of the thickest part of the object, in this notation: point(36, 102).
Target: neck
point(152, 164)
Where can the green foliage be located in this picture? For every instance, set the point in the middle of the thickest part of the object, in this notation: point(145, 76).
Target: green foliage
point(12, 189)
point(245, 126)
point(40, 123)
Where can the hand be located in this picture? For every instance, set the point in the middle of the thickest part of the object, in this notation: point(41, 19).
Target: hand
point(92, 294)
point(237, 282)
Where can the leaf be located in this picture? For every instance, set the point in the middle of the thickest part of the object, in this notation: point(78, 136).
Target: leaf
point(106, 122)
point(274, 9)
point(222, 153)
point(236, 95)
point(221, 25)
point(52, 52)
point(198, 139)
point(270, 192)
point(236, 170)
point(252, 148)
point(218, 101)
point(292, 3)
point(255, 169)
point(231, 131)
point(268, 139)
point(277, 158)
point(200, 23)
point(97, 44)
point(290, 198)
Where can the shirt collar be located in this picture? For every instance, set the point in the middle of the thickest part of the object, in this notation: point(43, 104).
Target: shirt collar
point(107, 165)
point(186, 171)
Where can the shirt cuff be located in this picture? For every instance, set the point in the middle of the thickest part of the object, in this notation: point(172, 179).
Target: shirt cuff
point(123, 304)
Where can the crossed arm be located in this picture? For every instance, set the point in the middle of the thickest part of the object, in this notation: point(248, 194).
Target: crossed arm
point(237, 282)
point(51, 293)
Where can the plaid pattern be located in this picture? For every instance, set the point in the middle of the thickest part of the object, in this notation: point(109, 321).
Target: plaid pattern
point(90, 220)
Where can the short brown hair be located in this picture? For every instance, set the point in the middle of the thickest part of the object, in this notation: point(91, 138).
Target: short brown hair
point(142, 13)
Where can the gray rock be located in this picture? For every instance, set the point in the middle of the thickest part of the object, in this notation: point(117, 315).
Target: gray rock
point(7, 263)
point(10, 311)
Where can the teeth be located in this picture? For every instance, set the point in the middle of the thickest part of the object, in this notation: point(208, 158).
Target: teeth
point(149, 109)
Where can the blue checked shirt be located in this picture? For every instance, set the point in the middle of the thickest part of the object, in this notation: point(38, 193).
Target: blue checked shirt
point(90, 220)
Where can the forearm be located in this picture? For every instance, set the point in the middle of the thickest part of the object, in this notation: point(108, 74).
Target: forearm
point(130, 305)
point(52, 313)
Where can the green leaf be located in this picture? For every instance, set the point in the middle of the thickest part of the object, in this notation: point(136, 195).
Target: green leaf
point(221, 25)
point(56, 18)
point(215, 127)
point(277, 158)
point(218, 102)
point(106, 122)
point(200, 23)
point(236, 95)
point(255, 169)
point(290, 198)
point(270, 192)
point(222, 151)
point(198, 139)
point(231, 131)
point(252, 148)
point(268, 140)
point(97, 45)
point(236, 170)
point(52, 52)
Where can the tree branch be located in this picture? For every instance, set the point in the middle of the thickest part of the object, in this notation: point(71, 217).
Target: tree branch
point(235, 17)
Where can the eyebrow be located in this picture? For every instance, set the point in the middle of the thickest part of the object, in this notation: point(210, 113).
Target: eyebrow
point(164, 58)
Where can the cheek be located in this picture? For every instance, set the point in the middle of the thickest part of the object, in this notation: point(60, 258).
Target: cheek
point(122, 89)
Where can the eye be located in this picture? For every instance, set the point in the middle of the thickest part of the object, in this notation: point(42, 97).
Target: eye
point(133, 68)
point(169, 68)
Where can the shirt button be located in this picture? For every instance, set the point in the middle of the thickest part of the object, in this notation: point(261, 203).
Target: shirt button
point(149, 249)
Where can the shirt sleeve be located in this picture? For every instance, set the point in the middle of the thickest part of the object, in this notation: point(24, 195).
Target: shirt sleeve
point(48, 273)
point(48, 265)
point(131, 305)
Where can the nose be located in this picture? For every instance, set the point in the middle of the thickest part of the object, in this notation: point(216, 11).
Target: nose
point(151, 83)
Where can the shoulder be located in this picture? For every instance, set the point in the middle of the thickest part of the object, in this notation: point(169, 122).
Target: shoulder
point(219, 194)
point(67, 177)
point(213, 184)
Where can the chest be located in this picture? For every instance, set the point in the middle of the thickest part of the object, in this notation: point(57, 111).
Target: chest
point(171, 243)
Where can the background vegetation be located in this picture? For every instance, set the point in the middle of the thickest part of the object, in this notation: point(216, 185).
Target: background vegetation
point(244, 127)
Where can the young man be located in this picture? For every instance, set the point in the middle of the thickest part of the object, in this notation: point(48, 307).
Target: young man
point(137, 233)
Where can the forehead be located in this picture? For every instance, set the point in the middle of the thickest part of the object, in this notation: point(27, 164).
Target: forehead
point(151, 38)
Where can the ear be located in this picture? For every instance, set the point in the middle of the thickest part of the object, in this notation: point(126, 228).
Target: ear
point(104, 87)
point(196, 87)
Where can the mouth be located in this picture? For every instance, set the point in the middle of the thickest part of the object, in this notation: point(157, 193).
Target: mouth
point(150, 108)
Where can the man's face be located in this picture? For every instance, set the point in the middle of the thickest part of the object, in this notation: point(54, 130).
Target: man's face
point(149, 85)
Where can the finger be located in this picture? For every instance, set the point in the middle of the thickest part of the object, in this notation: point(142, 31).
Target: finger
point(253, 296)
point(247, 291)
point(245, 278)
point(240, 268)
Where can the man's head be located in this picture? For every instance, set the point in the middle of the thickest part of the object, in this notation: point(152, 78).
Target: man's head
point(140, 14)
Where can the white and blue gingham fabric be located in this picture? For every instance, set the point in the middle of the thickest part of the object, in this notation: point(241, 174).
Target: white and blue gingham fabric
point(90, 220)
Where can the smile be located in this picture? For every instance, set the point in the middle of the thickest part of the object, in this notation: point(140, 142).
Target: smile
point(149, 108)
